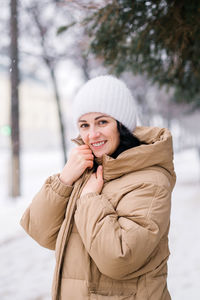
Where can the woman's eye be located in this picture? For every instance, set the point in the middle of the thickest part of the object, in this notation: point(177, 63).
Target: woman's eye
point(83, 125)
point(102, 122)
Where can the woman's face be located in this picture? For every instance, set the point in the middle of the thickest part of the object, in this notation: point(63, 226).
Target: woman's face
point(99, 132)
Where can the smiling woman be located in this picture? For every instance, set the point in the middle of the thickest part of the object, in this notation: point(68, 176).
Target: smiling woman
point(107, 213)
point(100, 133)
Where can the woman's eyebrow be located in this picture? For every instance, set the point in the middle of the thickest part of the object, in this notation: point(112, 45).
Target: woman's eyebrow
point(104, 116)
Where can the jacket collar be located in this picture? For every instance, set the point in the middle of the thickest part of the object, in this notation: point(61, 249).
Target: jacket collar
point(156, 152)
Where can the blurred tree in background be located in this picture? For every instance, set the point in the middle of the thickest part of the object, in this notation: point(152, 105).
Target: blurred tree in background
point(14, 87)
point(151, 45)
point(44, 33)
point(157, 38)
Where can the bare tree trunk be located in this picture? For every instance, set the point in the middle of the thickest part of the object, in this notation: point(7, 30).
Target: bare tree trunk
point(57, 98)
point(50, 64)
point(198, 150)
point(85, 68)
point(15, 138)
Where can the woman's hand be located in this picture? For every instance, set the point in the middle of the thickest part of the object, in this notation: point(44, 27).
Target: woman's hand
point(95, 182)
point(80, 159)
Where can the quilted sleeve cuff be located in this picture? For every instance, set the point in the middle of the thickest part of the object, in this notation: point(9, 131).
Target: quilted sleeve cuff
point(59, 187)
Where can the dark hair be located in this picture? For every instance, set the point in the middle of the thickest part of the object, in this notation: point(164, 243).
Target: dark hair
point(127, 140)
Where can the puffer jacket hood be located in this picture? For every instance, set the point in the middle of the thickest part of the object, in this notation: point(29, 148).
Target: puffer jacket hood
point(157, 151)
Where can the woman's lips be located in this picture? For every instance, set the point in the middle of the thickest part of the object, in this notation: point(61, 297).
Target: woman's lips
point(98, 144)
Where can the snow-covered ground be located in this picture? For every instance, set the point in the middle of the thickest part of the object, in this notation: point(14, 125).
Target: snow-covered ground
point(184, 262)
point(26, 269)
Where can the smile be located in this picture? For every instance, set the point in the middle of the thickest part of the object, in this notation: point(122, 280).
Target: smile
point(98, 144)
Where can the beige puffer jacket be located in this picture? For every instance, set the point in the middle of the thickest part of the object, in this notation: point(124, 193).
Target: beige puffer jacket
point(113, 245)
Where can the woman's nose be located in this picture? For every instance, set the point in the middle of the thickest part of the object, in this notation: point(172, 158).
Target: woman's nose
point(93, 133)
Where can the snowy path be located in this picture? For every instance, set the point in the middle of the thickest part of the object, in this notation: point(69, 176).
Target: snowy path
point(26, 269)
point(184, 261)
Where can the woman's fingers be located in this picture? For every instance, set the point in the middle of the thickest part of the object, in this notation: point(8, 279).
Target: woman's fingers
point(99, 173)
point(84, 148)
point(87, 156)
point(95, 182)
point(79, 160)
point(84, 151)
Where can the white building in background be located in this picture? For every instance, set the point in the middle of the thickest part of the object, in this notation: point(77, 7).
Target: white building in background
point(39, 125)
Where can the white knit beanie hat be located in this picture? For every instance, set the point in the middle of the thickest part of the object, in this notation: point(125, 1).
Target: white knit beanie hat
point(109, 95)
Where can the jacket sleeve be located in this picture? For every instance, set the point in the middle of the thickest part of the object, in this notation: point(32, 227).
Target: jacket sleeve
point(44, 216)
point(121, 240)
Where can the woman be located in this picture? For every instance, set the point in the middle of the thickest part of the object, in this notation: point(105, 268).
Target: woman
point(107, 213)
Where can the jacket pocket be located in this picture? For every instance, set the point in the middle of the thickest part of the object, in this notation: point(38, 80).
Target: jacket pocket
point(96, 296)
point(114, 297)
point(102, 287)
point(115, 291)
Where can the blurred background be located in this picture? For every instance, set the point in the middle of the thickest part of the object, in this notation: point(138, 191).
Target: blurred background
point(48, 49)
